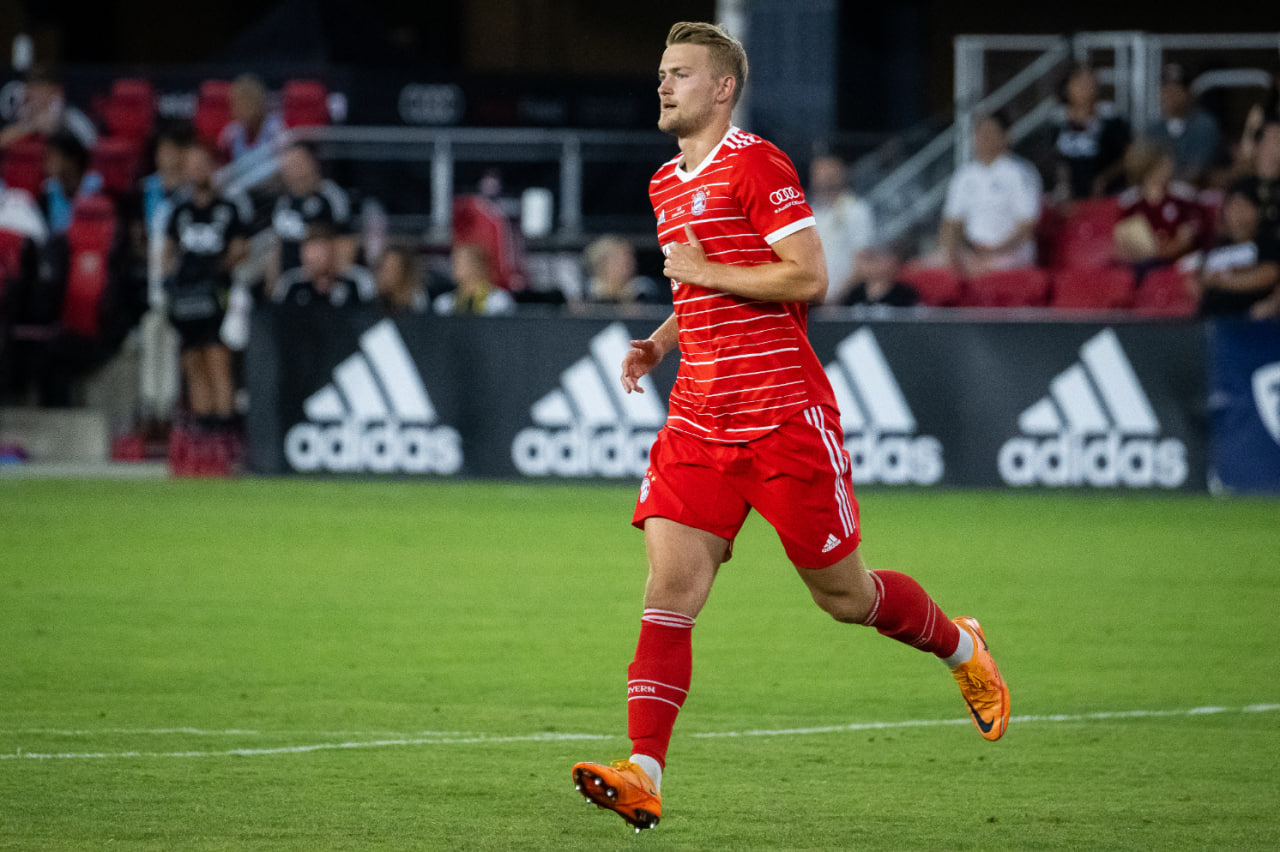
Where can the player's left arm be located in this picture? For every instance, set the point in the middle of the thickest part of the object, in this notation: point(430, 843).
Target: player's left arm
point(799, 274)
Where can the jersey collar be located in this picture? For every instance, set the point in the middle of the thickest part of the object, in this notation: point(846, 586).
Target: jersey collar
point(685, 176)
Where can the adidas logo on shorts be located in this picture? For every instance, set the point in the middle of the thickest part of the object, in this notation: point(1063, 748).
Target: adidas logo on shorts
point(879, 428)
point(375, 416)
point(590, 426)
point(1095, 427)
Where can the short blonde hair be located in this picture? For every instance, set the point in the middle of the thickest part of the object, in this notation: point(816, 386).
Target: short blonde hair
point(728, 57)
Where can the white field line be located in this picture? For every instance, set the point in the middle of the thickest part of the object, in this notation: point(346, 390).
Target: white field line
point(485, 739)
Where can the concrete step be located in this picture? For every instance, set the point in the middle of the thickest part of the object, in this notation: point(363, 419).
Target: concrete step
point(57, 434)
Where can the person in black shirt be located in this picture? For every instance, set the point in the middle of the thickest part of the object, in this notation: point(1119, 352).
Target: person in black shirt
point(1089, 141)
point(1262, 182)
point(308, 198)
point(1245, 269)
point(877, 282)
point(323, 278)
point(205, 239)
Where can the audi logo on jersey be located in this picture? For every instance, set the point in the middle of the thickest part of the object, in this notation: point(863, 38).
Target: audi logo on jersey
point(781, 196)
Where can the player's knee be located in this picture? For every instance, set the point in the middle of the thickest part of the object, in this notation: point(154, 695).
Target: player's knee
point(846, 609)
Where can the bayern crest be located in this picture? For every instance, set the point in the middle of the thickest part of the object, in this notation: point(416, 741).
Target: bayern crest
point(699, 202)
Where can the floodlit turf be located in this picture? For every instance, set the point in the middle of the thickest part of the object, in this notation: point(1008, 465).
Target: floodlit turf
point(279, 664)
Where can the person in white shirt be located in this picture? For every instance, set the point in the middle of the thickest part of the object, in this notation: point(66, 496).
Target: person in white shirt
point(844, 221)
point(992, 206)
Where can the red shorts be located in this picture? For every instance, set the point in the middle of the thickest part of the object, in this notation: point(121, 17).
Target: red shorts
point(796, 477)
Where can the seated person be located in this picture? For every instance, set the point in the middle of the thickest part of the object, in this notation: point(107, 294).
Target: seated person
point(474, 293)
point(323, 278)
point(611, 267)
point(45, 112)
point(1243, 272)
point(992, 206)
point(877, 282)
point(1160, 220)
point(399, 282)
point(67, 177)
point(1189, 131)
point(253, 126)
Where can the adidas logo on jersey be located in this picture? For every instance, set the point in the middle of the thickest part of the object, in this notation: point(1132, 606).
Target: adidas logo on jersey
point(590, 426)
point(879, 428)
point(1096, 427)
point(375, 416)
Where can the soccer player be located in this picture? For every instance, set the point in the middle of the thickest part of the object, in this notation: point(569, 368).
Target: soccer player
point(753, 422)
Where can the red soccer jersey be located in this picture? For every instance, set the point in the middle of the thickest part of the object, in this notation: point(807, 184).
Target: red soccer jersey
point(746, 365)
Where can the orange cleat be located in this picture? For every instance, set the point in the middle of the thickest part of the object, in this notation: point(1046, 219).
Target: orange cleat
point(980, 683)
point(621, 787)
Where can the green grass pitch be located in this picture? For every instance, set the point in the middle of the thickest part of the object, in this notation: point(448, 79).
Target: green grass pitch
point(333, 665)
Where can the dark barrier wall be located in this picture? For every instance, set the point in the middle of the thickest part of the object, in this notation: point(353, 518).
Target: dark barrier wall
point(923, 403)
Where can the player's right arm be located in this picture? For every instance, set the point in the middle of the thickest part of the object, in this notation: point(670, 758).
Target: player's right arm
point(646, 354)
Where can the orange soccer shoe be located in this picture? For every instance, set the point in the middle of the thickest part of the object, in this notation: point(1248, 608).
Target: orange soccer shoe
point(981, 685)
point(623, 788)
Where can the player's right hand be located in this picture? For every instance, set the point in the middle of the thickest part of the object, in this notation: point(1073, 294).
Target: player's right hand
point(642, 357)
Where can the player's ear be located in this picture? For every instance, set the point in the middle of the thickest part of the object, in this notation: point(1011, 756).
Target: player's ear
point(728, 85)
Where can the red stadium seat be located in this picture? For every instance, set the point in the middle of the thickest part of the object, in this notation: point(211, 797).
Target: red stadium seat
point(305, 103)
point(213, 109)
point(937, 285)
point(1096, 289)
point(130, 109)
point(116, 158)
point(1009, 288)
point(1085, 240)
point(89, 240)
point(23, 165)
point(1163, 293)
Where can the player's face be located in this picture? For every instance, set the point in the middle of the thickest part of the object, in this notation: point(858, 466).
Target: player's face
point(687, 90)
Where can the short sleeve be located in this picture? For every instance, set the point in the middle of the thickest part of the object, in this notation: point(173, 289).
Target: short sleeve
point(1028, 192)
point(953, 207)
point(768, 191)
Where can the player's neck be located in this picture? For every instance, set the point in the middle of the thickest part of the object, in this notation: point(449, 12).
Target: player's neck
point(699, 146)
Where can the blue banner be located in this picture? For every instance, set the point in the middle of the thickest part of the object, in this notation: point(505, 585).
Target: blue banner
point(1244, 406)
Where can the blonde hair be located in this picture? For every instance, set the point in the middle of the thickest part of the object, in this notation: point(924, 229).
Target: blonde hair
point(728, 57)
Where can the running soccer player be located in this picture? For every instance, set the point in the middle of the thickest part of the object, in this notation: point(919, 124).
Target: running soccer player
point(753, 422)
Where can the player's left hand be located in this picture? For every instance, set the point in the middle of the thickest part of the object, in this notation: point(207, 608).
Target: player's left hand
point(686, 262)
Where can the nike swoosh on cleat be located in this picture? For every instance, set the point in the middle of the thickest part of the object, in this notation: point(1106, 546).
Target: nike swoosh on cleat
point(983, 726)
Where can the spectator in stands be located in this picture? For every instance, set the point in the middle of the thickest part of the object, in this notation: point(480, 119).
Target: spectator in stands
point(45, 112)
point(159, 187)
point(205, 239)
point(1089, 141)
point(1263, 178)
point(844, 222)
point(611, 274)
point(253, 127)
point(308, 198)
point(992, 206)
point(1263, 112)
point(474, 294)
point(1160, 220)
point(878, 283)
point(67, 178)
point(399, 282)
point(324, 276)
point(1189, 131)
point(1243, 272)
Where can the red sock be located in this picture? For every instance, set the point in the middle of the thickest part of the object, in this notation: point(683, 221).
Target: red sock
point(904, 611)
point(658, 681)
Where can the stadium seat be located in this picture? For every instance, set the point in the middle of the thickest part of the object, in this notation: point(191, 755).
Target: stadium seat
point(130, 109)
point(1084, 239)
point(305, 103)
point(1163, 293)
point(213, 109)
point(89, 240)
point(1009, 288)
point(23, 165)
point(116, 159)
point(1093, 289)
point(938, 286)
